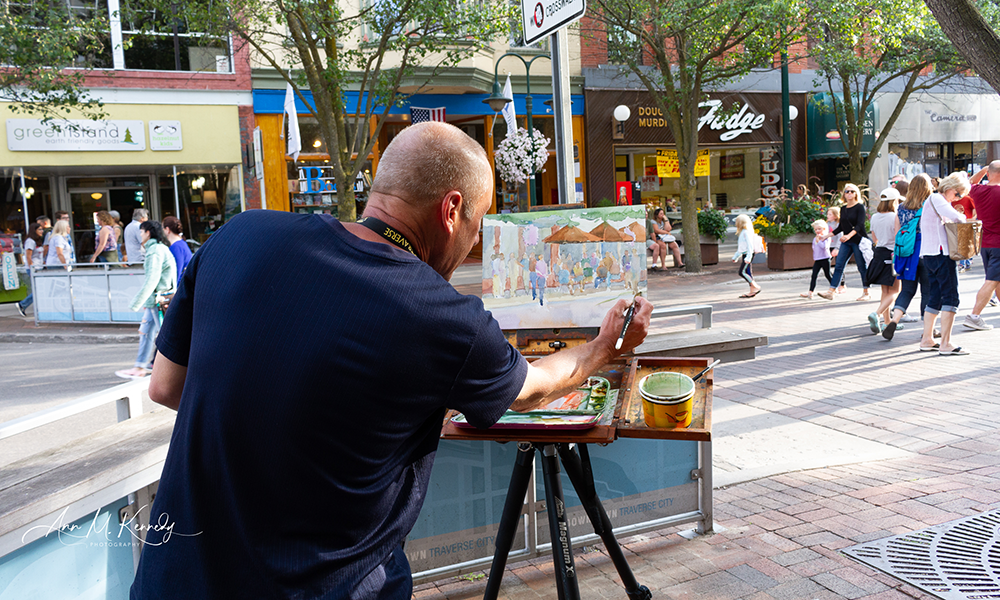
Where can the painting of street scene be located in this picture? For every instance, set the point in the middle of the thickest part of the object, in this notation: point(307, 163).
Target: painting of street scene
point(562, 268)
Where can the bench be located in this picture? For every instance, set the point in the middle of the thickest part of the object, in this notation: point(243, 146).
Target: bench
point(728, 345)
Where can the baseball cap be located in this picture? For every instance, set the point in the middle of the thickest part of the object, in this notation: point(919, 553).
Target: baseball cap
point(890, 193)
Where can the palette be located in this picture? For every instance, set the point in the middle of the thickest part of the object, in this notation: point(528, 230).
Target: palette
point(585, 407)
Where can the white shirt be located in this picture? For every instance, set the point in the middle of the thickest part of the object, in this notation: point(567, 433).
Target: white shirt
point(133, 243)
point(883, 225)
point(933, 240)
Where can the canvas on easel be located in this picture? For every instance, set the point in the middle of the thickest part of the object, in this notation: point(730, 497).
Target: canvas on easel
point(562, 268)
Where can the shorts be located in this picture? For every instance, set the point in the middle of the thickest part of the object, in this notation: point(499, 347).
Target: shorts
point(991, 262)
point(650, 244)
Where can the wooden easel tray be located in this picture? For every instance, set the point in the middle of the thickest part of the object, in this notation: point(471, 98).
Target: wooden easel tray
point(630, 421)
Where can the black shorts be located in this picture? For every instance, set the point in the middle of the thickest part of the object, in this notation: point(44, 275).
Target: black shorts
point(880, 271)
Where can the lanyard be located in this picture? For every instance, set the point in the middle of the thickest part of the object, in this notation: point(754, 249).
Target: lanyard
point(384, 230)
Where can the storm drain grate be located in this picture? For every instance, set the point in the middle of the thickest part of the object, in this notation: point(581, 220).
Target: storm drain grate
point(952, 561)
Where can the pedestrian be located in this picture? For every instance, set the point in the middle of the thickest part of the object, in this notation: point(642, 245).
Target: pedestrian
point(802, 192)
point(745, 244)
point(884, 224)
point(907, 263)
point(68, 236)
point(178, 246)
point(160, 277)
point(987, 200)
point(851, 230)
point(942, 273)
point(133, 237)
point(33, 257)
point(106, 246)
point(821, 256)
point(662, 229)
point(119, 231)
point(832, 222)
point(655, 244)
point(343, 410)
point(60, 251)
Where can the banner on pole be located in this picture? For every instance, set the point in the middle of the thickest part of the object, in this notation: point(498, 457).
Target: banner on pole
point(667, 164)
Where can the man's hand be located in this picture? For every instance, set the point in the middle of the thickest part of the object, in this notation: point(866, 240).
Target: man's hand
point(614, 320)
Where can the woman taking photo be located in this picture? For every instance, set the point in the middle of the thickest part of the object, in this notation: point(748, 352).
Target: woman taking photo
point(106, 246)
point(161, 276)
point(851, 231)
point(942, 272)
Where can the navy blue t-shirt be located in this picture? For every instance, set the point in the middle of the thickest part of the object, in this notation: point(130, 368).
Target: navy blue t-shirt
point(319, 366)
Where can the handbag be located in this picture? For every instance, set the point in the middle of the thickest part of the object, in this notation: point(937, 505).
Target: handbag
point(965, 240)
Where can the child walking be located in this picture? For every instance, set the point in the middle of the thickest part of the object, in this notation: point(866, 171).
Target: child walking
point(744, 253)
point(821, 255)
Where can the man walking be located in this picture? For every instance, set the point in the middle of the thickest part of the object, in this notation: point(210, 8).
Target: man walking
point(133, 237)
point(987, 201)
point(335, 377)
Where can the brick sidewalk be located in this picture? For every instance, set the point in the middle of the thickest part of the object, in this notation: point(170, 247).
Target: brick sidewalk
point(783, 533)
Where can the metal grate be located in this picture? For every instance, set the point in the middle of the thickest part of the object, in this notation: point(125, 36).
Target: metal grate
point(959, 560)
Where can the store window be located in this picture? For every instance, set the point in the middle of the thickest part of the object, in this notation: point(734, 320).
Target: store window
point(734, 181)
point(207, 198)
point(91, 53)
point(312, 187)
point(936, 160)
point(88, 195)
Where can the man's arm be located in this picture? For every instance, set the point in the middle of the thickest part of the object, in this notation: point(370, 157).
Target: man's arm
point(980, 174)
point(167, 382)
point(562, 372)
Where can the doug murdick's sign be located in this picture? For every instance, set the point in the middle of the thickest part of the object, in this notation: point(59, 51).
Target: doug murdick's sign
point(78, 135)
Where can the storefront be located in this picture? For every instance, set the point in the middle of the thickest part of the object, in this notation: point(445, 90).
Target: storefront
point(938, 134)
point(829, 169)
point(305, 185)
point(740, 131)
point(171, 159)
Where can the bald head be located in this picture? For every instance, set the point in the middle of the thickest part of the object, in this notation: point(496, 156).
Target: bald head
point(426, 161)
point(993, 172)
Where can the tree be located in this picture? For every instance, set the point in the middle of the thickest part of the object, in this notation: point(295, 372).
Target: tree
point(386, 50)
point(40, 39)
point(974, 33)
point(865, 47)
point(680, 50)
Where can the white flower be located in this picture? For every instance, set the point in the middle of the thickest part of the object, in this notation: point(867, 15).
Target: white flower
point(520, 156)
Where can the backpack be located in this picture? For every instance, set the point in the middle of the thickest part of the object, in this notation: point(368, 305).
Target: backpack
point(906, 237)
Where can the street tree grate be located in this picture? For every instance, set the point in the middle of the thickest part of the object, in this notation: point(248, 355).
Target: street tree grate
point(958, 560)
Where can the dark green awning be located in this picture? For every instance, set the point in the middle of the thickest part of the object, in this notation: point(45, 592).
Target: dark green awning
point(824, 134)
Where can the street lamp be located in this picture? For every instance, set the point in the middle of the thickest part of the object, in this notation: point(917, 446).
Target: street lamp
point(497, 101)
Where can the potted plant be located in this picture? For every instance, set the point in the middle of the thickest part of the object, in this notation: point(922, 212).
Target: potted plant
point(519, 156)
point(789, 233)
point(711, 230)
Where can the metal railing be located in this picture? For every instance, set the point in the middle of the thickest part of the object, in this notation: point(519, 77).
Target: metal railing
point(86, 293)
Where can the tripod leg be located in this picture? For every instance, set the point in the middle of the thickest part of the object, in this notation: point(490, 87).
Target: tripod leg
point(519, 479)
point(580, 474)
point(562, 551)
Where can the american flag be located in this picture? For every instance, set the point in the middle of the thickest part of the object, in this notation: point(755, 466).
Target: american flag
point(420, 115)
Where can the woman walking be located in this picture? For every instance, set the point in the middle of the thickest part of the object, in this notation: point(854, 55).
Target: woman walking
point(885, 224)
point(60, 250)
point(32, 258)
point(852, 231)
point(106, 246)
point(745, 238)
point(942, 271)
point(160, 276)
point(907, 262)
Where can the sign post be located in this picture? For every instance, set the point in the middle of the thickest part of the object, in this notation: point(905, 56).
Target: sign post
point(544, 17)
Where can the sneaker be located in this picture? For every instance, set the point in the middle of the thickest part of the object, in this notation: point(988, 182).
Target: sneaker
point(825, 295)
point(873, 323)
point(994, 301)
point(976, 322)
point(906, 318)
point(21, 310)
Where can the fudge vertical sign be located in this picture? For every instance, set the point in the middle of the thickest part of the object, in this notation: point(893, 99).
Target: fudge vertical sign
point(543, 17)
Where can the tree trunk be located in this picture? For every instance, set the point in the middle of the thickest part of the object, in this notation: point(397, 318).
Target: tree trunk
point(972, 35)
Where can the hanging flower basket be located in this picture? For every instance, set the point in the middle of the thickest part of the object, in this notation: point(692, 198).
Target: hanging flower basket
point(521, 155)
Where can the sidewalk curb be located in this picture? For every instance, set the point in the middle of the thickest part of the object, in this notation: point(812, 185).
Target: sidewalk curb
point(70, 338)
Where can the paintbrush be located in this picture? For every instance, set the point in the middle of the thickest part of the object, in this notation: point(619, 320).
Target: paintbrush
point(629, 312)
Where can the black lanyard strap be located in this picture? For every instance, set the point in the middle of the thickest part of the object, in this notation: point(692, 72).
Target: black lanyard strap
point(388, 232)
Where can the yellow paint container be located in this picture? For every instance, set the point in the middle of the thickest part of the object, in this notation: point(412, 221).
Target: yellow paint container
point(667, 399)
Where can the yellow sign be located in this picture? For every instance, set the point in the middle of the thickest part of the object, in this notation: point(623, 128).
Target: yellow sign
point(668, 166)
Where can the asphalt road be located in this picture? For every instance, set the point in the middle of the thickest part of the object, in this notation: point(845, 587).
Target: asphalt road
point(34, 377)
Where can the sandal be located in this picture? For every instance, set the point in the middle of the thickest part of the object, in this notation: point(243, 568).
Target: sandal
point(930, 348)
point(806, 295)
point(956, 351)
point(133, 373)
point(750, 295)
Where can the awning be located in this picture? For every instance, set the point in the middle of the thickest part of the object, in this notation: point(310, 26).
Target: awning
point(824, 140)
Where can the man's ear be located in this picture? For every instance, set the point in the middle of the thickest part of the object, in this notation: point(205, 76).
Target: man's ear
point(450, 207)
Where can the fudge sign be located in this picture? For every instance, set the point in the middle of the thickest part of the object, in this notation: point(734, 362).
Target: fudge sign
point(540, 18)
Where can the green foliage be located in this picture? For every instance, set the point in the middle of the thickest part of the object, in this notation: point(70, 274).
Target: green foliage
point(712, 224)
point(604, 202)
point(792, 216)
point(39, 36)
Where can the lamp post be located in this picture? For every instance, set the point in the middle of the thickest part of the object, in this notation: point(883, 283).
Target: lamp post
point(497, 101)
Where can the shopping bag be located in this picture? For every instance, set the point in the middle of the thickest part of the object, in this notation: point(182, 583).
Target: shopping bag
point(964, 239)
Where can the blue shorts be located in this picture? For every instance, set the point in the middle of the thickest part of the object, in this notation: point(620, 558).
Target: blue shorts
point(991, 262)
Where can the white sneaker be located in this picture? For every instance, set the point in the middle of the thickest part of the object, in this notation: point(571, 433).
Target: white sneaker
point(976, 322)
point(906, 318)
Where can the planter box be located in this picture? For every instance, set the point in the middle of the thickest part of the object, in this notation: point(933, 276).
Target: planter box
point(709, 250)
point(794, 252)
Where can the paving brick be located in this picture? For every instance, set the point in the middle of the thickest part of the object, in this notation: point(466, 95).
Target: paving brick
point(841, 587)
point(754, 577)
point(796, 557)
